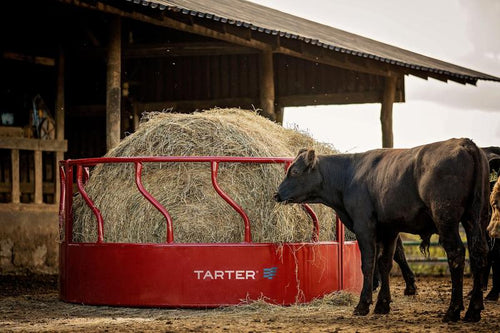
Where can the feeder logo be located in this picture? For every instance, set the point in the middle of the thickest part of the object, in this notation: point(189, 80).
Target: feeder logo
point(270, 273)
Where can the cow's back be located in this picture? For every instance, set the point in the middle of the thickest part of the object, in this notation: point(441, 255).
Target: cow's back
point(406, 185)
point(446, 172)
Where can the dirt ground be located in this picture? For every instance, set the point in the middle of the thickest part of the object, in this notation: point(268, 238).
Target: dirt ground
point(31, 304)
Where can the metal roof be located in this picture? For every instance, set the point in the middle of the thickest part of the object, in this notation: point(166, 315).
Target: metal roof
point(273, 22)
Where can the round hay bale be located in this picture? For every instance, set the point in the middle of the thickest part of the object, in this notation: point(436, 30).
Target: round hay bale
point(199, 215)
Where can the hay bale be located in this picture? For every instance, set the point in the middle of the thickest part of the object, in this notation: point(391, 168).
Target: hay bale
point(199, 214)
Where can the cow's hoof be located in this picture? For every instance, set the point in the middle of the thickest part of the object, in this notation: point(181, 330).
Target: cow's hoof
point(492, 296)
point(410, 290)
point(451, 316)
point(472, 316)
point(361, 310)
point(382, 307)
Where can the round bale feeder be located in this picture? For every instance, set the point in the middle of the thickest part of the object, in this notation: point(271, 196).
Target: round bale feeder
point(194, 274)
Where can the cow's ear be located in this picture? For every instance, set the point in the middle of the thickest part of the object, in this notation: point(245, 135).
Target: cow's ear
point(310, 158)
point(301, 151)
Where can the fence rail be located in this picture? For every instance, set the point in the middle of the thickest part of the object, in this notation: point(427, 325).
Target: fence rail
point(38, 147)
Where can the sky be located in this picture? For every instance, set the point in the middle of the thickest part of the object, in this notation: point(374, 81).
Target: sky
point(462, 32)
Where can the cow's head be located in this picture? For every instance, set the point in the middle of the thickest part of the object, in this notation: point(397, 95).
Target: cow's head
point(303, 180)
point(494, 226)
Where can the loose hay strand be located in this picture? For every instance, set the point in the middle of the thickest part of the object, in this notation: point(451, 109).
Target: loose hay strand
point(199, 214)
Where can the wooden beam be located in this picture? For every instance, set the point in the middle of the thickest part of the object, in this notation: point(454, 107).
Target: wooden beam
point(33, 144)
point(386, 112)
point(266, 85)
point(331, 98)
point(16, 189)
point(28, 188)
point(60, 97)
point(113, 82)
point(336, 60)
point(38, 177)
point(44, 61)
point(59, 117)
point(184, 49)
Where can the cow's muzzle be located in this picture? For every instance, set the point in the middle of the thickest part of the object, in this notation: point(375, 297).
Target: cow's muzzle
point(279, 198)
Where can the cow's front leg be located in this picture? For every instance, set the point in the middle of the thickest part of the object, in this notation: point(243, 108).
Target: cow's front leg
point(385, 266)
point(366, 241)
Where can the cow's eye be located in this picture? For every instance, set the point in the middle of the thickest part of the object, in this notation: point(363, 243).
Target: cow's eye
point(294, 172)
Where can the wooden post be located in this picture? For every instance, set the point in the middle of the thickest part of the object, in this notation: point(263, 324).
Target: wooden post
point(113, 89)
point(136, 116)
point(386, 111)
point(16, 187)
point(279, 114)
point(267, 85)
point(38, 177)
point(59, 120)
point(60, 97)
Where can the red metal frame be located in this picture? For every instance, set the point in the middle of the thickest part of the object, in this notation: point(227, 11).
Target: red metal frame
point(202, 274)
point(154, 202)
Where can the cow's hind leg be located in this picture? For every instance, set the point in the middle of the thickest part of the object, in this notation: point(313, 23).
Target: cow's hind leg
point(400, 259)
point(385, 266)
point(478, 252)
point(455, 251)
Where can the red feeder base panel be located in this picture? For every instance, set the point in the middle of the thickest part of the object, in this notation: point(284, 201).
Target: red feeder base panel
point(196, 275)
point(204, 275)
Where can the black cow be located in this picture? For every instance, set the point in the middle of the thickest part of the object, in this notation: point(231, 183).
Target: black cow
point(380, 193)
point(493, 264)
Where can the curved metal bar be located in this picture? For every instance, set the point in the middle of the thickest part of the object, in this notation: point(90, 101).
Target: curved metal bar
point(215, 167)
point(153, 201)
point(68, 205)
point(314, 217)
point(90, 203)
point(62, 201)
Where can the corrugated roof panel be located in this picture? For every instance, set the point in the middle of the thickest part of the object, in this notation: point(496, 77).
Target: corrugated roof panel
point(274, 22)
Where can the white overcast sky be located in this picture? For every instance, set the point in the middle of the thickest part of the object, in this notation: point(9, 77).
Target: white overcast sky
point(462, 32)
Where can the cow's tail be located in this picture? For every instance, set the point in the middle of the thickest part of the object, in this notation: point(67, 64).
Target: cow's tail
point(477, 209)
point(475, 220)
point(425, 244)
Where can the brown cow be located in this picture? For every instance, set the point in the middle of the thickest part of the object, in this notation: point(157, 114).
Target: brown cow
point(494, 225)
point(380, 193)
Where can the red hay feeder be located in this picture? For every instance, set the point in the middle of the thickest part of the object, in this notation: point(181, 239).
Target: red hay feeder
point(196, 275)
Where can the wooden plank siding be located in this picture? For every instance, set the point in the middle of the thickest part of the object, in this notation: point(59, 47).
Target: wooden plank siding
point(206, 80)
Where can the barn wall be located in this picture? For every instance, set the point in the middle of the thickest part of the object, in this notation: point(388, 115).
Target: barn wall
point(193, 78)
point(28, 239)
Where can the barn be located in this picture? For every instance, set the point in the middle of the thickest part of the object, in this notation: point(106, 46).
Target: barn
point(77, 75)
